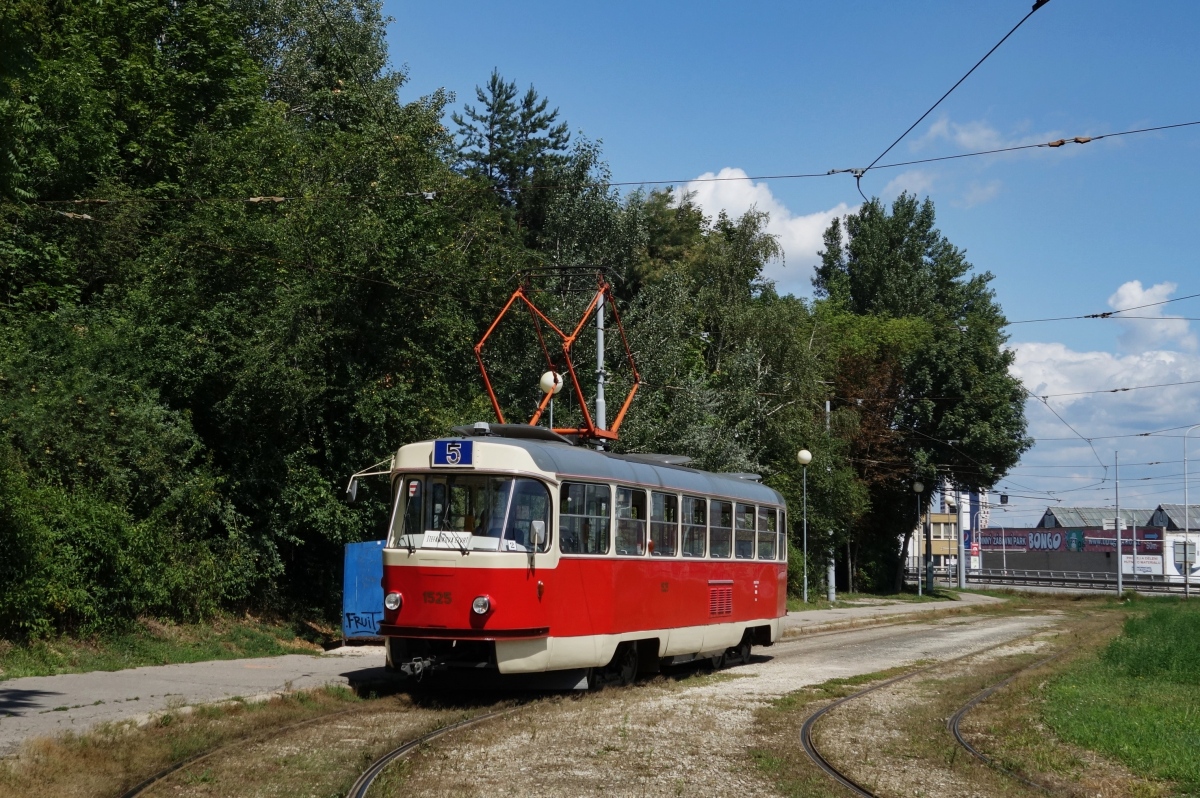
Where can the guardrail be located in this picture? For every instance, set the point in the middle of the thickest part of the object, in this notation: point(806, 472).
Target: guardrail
point(1081, 580)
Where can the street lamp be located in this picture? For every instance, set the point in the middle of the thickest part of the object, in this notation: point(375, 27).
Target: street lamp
point(551, 383)
point(804, 456)
point(1187, 518)
point(918, 488)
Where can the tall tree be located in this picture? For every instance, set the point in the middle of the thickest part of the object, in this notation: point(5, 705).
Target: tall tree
point(507, 139)
point(955, 412)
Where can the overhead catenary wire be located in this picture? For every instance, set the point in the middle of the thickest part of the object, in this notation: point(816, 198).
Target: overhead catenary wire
point(858, 174)
point(1117, 390)
point(1068, 426)
point(1108, 314)
point(432, 194)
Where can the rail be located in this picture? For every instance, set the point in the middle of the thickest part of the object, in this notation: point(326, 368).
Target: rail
point(1080, 580)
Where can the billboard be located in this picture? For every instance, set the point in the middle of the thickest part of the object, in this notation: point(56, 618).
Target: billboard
point(1149, 541)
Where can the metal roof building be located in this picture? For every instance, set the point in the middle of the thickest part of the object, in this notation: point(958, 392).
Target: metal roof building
point(1171, 516)
point(1094, 517)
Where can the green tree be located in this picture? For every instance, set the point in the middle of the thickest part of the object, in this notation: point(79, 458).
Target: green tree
point(507, 140)
point(948, 408)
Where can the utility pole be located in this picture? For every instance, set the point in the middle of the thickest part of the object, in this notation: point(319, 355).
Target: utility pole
point(831, 565)
point(1187, 523)
point(601, 421)
point(1117, 526)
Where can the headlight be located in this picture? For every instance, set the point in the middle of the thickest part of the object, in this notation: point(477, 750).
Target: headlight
point(481, 605)
point(393, 601)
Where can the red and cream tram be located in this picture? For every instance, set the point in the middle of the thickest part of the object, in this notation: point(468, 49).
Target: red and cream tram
point(511, 550)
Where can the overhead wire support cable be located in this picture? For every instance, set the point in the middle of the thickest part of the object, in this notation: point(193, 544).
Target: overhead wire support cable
point(1088, 441)
point(1118, 390)
point(858, 175)
point(1112, 314)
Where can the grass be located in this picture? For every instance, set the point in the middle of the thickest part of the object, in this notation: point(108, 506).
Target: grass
point(114, 757)
point(151, 642)
point(896, 741)
point(1138, 700)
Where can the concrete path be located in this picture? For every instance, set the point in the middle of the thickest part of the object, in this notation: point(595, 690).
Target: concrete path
point(851, 615)
point(39, 706)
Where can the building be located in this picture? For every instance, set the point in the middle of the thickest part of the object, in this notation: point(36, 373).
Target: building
point(1093, 518)
point(1171, 517)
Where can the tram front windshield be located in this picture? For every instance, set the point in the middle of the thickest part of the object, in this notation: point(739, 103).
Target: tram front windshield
point(470, 512)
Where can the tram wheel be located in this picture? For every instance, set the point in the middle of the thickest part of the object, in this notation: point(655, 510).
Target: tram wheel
point(743, 651)
point(716, 661)
point(626, 664)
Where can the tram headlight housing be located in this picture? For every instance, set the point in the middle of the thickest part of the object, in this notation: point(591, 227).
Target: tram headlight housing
point(393, 601)
point(482, 605)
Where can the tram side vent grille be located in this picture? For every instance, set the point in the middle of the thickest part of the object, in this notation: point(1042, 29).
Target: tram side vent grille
point(720, 600)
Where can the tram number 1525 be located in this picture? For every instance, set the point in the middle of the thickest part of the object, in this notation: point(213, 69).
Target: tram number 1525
point(437, 597)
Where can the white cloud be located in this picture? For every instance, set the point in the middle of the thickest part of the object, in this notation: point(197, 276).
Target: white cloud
point(1051, 369)
point(977, 135)
point(914, 181)
point(1141, 334)
point(799, 236)
point(979, 193)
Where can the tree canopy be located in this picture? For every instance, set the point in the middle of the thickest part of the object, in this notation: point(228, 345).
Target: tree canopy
point(235, 268)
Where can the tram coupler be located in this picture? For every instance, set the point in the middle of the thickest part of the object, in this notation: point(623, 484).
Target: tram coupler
point(419, 666)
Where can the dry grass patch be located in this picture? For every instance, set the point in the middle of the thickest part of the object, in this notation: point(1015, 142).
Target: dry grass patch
point(316, 760)
point(112, 758)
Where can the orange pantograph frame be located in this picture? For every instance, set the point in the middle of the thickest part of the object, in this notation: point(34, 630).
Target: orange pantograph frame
point(589, 430)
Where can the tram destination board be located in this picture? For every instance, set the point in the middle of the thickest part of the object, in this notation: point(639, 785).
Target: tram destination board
point(453, 454)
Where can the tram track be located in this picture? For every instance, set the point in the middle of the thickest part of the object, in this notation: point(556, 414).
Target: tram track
point(953, 724)
point(361, 785)
point(843, 778)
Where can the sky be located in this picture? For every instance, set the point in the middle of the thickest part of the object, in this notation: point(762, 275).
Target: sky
point(683, 92)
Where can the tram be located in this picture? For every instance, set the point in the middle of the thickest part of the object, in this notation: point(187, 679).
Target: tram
point(513, 550)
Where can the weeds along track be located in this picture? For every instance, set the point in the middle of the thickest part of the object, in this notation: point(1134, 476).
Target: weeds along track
point(144, 787)
point(361, 785)
point(843, 778)
point(956, 719)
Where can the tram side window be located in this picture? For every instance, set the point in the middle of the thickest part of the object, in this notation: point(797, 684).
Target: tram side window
point(631, 521)
point(664, 524)
point(743, 541)
point(768, 536)
point(695, 524)
point(583, 513)
point(720, 534)
point(407, 529)
point(783, 538)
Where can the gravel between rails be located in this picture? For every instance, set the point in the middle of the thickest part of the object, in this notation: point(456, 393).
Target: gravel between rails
point(666, 736)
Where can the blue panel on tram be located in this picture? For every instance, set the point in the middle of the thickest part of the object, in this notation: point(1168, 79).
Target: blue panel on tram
point(362, 589)
point(453, 453)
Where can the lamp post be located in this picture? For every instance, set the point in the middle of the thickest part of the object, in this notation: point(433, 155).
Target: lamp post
point(804, 456)
point(1187, 521)
point(551, 383)
point(918, 487)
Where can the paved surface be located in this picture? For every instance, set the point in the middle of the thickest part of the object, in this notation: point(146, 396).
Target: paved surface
point(850, 615)
point(40, 706)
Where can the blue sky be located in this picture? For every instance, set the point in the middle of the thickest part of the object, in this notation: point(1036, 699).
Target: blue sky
point(676, 91)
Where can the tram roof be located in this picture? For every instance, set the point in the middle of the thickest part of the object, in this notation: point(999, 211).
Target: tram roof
point(569, 461)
